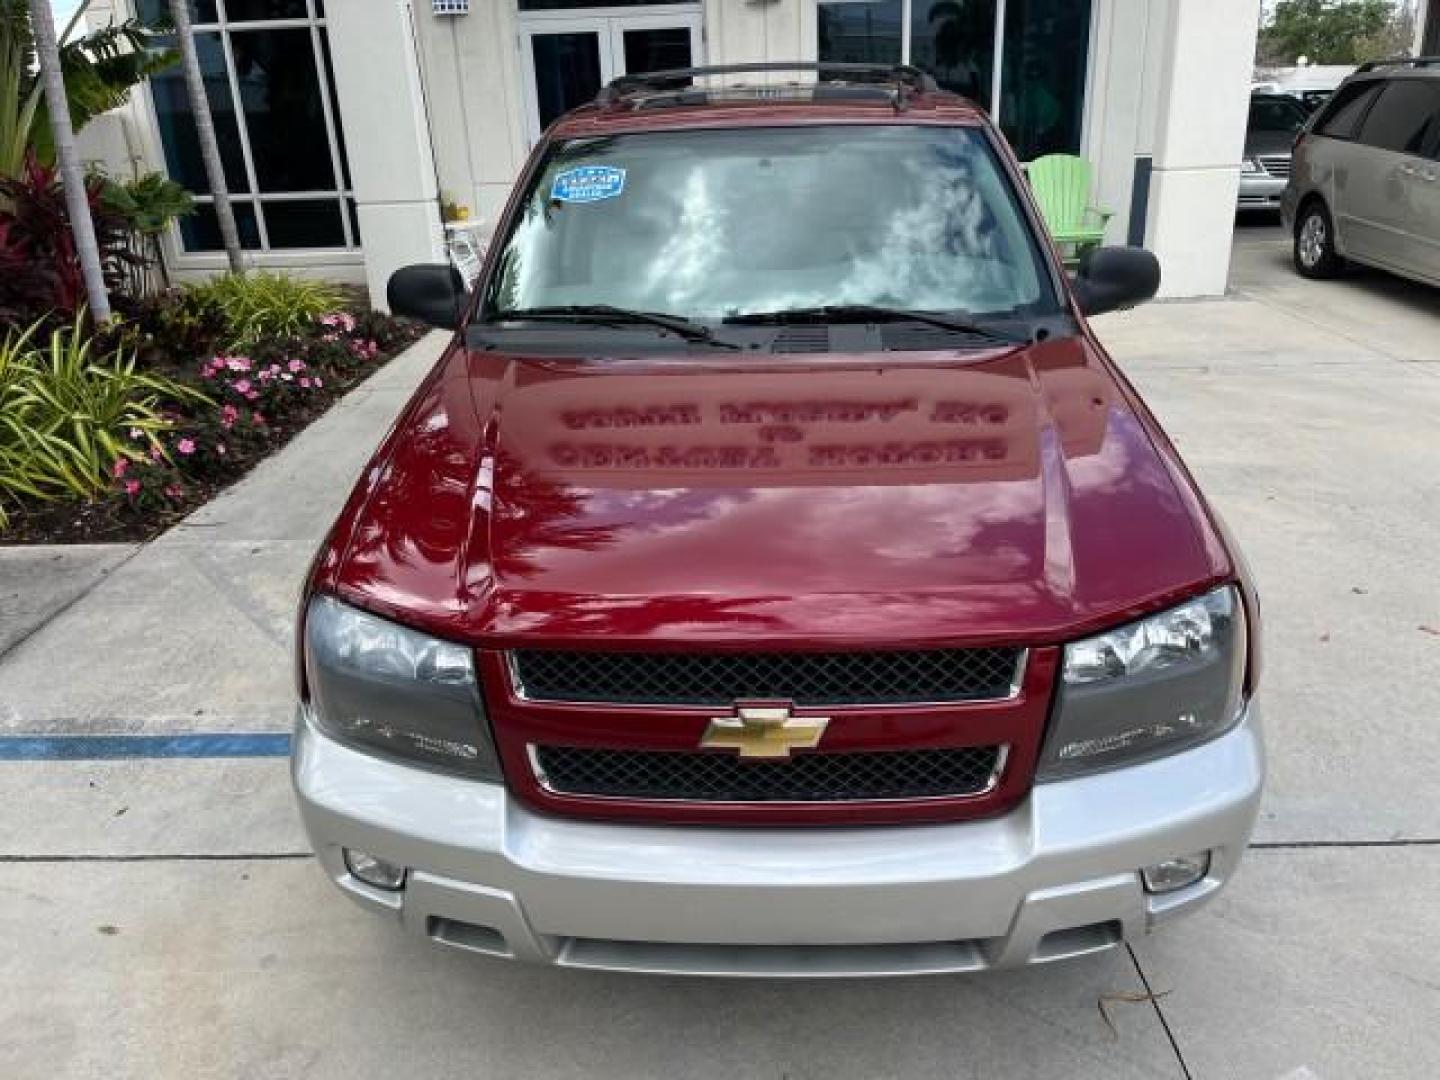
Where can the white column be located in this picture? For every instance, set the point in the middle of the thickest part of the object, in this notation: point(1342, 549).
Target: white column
point(1203, 93)
point(382, 110)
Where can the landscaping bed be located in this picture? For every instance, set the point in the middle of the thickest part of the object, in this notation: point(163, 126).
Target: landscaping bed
point(122, 431)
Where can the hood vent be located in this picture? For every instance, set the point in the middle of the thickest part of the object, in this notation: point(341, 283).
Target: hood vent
point(918, 337)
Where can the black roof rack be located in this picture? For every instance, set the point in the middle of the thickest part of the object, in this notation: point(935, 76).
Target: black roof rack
point(903, 78)
point(1399, 61)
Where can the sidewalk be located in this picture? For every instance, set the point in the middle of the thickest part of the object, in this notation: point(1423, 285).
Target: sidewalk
point(163, 918)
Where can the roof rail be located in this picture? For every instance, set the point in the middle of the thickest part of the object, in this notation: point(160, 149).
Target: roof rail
point(1399, 61)
point(903, 76)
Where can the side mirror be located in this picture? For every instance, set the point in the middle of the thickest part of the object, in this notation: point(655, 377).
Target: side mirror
point(1115, 278)
point(433, 293)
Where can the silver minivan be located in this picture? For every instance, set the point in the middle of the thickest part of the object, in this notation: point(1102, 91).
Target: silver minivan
point(1365, 176)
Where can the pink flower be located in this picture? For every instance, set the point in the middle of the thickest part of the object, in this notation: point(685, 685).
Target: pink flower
point(132, 487)
point(305, 382)
point(238, 363)
point(228, 415)
point(156, 453)
point(174, 491)
point(258, 417)
point(243, 386)
point(118, 469)
point(287, 376)
point(297, 365)
point(318, 381)
point(186, 446)
point(251, 395)
point(136, 433)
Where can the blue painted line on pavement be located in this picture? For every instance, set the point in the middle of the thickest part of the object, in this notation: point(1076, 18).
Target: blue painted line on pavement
point(124, 747)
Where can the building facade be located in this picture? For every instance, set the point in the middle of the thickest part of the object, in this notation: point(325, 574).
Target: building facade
point(344, 124)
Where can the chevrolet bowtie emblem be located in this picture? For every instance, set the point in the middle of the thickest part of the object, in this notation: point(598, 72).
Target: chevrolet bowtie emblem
point(764, 731)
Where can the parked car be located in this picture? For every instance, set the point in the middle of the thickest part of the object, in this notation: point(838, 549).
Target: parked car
point(1275, 120)
point(774, 575)
point(1365, 186)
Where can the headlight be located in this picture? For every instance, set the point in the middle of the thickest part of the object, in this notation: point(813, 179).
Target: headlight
point(396, 690)
point(1163, 684)
point(1250, 167)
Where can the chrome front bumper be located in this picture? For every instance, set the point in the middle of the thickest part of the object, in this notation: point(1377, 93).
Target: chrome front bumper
point(1057, 877)
point(1260, 191)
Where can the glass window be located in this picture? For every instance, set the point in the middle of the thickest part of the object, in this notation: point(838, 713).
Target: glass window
point(567, 72)
point(1043, 75)
point(1401, 116)
point(284, 110)
point(954, 40)
point(251, 10)
point(656, 49)
point(1044, 47)
point(708, 224)
point(152, 11)
point(863, 33)
point(283, 141)
point(310, 224)
point(201, 231)
point(566, 5)
point(177, 123)
point(1277, 114)
point(1346, 108)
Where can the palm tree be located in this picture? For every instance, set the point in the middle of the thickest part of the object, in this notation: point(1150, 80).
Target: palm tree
point(205, 130)
point(100, 69)
point(72, 175)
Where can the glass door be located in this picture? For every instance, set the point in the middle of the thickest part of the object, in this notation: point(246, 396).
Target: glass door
point(644, 43)
point(566, 60)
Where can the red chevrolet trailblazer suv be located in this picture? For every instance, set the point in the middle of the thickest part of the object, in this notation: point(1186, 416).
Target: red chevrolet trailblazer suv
point(774, 576)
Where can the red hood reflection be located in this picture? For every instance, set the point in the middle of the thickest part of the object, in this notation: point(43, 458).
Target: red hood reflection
point(928, 498)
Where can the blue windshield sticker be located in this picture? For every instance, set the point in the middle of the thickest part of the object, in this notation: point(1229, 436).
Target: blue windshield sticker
point(588, 183)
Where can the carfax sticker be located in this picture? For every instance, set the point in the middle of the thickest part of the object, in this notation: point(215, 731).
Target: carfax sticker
point(588, 183)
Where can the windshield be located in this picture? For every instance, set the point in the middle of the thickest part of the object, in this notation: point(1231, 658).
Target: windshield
point(709, 224)
point(1277, 115)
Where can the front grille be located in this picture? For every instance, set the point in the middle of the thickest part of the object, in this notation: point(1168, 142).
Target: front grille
point(720, 777)
point(1278, 166)
point(719, 679)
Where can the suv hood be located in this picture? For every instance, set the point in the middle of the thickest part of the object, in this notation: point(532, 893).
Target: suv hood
point(1019, 495)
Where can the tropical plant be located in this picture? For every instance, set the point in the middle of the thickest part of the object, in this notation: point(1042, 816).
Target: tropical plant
point(269, 305)
point(70, 423)
point(149, 203)
point(37, 249)
point(99, 67)
point(67, 157)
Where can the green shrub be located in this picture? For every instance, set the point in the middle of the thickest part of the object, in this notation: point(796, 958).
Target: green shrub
point(67, 418)
point(261, 305)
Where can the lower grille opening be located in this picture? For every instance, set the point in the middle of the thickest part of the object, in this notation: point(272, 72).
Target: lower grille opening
point(1079, 940)
point(719, 777)
point(793, 961)
point(467, 935)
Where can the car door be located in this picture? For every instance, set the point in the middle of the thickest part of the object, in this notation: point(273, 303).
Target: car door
point(1424, 180)
point(1391, 196)
point(1333, 157)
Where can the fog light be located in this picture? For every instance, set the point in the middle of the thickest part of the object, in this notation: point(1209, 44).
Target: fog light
point(1174, 874)
point(373, 871)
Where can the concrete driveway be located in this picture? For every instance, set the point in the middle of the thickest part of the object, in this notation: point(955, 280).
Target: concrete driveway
point(163, 918)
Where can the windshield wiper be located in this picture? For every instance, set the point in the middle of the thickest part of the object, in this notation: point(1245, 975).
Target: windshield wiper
point(607, 313)
point(869, 313)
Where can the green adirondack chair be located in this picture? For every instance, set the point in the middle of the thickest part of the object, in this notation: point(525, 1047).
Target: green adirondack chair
point(1062, 188)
